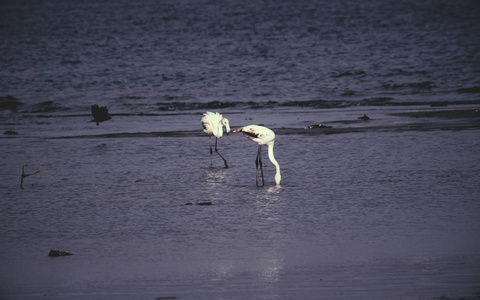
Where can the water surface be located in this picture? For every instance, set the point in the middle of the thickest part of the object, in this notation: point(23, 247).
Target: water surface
point(385, 208)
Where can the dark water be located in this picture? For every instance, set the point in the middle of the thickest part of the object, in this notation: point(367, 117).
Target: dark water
point(385, 208)
point(144, 56)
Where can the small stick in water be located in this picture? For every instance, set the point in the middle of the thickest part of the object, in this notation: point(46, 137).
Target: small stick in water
point(26, 175)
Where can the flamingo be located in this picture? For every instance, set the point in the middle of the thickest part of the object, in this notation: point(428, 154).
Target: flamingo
point(262, 136)
point(213, 125)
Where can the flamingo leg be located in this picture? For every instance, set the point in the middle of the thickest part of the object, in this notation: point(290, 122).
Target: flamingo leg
point(261, 164)
point(256, 167)
point(211, 150)
point(258, 162)
point(216, 150)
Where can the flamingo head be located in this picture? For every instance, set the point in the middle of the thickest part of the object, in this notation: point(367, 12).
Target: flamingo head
point(278, 178)
point(226, 123)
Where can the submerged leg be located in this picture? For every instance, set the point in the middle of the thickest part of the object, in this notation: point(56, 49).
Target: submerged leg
point(216, 150)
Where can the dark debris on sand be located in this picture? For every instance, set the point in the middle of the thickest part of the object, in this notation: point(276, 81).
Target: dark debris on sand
point(56, 253)
point(100, 114)
point(10, 103)
point(364, 117)
point(317, 126)
point(10, 132)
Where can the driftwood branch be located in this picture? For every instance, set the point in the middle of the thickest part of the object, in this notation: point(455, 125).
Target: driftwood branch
point(26, 175)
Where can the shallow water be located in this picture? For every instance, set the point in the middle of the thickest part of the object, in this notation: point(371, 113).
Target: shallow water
point(385, 208)
point(360, 214)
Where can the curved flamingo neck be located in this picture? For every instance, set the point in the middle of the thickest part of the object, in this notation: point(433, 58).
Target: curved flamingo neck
point(278, 177)
point(219, 129)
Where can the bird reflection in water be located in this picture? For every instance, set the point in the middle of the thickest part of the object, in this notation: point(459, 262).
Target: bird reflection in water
point(215, 176)
point(271, 269)
point(267, 195)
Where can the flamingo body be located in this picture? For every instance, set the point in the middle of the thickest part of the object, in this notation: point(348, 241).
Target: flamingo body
point(213, 124)
point(262, 136)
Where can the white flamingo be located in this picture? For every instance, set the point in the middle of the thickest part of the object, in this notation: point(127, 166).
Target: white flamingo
point(262, 136)
point(213, 125)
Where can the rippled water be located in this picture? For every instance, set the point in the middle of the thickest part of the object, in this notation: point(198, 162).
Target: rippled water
point(149, 55)
point(385, 208)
